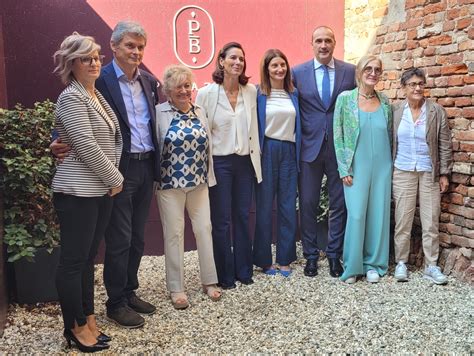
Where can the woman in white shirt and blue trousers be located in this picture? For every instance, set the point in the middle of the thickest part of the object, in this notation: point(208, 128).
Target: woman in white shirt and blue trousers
point(280, 141)
point(230, 105)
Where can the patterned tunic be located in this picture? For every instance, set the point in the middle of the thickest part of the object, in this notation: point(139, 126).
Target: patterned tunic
point(184, 157)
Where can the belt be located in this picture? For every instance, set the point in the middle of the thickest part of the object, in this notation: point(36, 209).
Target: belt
point(141, 156)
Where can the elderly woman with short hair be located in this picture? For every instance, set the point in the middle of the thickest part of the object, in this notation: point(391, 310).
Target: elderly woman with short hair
point(83, 185)
point(186, 173)
point(422, 150)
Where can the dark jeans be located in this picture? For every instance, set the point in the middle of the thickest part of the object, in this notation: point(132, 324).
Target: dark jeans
point(82, 223)
point(279, 173)
point(310, 179)
point(230, 203)
point(125, 235)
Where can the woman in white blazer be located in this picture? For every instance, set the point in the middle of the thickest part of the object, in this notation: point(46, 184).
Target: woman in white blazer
point(230, 105)
point(186, 171)
point(83, 185)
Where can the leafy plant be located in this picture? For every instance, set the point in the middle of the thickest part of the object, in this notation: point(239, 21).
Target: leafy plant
point(26, 171)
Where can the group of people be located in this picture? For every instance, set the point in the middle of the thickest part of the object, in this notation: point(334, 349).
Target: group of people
point(120, 135)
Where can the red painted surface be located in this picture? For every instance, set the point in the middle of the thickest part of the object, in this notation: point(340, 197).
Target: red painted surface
point(33, 29)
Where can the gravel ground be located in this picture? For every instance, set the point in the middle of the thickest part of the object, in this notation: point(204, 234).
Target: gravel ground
point(274, 315)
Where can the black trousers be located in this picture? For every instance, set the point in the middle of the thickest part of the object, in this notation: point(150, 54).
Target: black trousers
point(125, 235)
point(82, 224)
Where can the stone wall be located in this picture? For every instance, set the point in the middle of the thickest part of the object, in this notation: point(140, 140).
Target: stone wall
point(437, 35)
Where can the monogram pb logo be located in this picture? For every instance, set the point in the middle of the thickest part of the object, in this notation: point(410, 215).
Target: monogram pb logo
point(193, 31)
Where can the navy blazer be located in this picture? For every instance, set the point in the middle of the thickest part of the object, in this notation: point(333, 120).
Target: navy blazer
point(316, 119)
point(109, 87)
point(262, 121)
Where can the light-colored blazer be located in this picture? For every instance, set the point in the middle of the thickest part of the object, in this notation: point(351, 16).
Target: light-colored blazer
point(93, 133)
point(347, 128)
point(164, 116)
point(438, 137)
point(207, 99)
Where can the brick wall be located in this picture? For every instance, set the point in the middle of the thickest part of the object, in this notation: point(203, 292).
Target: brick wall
point(437, 35)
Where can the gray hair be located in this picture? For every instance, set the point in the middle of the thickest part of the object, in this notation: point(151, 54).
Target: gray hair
point(127, 27)
point(410, 73)
point(73, 46)
point(174, 76)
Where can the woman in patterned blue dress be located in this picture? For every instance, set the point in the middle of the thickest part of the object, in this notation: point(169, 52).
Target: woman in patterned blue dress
point(186, 173)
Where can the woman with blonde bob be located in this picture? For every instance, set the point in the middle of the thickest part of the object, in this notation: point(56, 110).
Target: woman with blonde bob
point(83, 185)
point(362, 133)
point(186, 172)
point(280, 141)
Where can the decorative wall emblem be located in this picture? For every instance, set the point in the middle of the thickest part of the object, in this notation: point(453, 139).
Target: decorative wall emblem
point(193, 31)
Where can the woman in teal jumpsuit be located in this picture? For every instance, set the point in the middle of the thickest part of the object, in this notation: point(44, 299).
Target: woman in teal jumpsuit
point(362, 126)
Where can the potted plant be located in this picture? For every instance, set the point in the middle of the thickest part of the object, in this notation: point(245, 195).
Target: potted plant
point(31, 232)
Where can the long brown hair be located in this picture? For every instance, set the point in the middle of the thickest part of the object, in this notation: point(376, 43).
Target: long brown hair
point(218, 74)
point(265, 84)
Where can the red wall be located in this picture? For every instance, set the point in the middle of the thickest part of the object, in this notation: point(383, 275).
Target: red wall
point(33, 29)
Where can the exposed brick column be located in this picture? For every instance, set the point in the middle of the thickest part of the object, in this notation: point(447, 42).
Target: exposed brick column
point(438, 36)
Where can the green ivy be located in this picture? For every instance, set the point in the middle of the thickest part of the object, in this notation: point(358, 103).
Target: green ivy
point(26, 170)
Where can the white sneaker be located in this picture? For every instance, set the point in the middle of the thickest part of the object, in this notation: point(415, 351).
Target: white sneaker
point(401, 272)
point(434, 274)
point(372, 276)
point(351, 280)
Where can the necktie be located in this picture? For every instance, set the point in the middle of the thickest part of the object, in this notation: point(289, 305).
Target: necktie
point(326, 92)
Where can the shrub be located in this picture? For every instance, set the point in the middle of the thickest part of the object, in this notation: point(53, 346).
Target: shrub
point(26, 172)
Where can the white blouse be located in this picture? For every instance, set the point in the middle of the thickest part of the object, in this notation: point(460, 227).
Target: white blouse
point(280, 116)
point(229, 128)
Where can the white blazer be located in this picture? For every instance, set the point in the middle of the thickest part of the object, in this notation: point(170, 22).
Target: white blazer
point(207, 99)
point(164, 116)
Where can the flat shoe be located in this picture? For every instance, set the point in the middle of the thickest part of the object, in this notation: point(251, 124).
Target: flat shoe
point(351, 280)
point(269, 271)
point(212, 292)
point(285, 273)
point(179, 300)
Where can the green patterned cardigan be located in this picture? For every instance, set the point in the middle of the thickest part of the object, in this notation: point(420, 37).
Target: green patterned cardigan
point(346, 127)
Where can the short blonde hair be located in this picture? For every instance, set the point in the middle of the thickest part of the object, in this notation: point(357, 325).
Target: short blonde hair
point(175, 75)
point(362, 64)
point(73, 46)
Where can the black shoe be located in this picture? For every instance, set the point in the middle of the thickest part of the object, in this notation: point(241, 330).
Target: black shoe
point(71, 338)
point(140, 306)
point(311, 268)
point(246, 281)
point(104, 338)
point(125, 317)
point(335, 267)
point(227, 286)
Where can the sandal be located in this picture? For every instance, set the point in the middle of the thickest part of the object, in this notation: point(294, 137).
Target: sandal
point(179, 300)
point(213, 292)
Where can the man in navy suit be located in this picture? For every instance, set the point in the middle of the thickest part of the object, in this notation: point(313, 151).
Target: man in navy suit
point(132, 93)
point(319, 82)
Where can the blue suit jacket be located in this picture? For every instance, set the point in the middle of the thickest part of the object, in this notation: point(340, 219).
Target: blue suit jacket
point(316, 119)
point(109, 87)
point(261, 113)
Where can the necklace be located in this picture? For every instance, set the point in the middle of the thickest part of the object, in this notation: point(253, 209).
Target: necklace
point(367, 96)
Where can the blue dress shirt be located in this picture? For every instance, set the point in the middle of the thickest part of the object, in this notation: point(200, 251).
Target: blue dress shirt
point(319, 74)
point(137, 111)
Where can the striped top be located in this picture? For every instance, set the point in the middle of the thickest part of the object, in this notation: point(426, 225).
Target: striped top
point(91, 129)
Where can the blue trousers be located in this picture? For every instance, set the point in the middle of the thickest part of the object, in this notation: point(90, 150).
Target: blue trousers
point(279, 172)
point(230, 203)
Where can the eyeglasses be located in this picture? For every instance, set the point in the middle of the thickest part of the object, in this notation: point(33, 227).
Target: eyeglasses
point(375, 70)
point(89, 60)
point(413, 85)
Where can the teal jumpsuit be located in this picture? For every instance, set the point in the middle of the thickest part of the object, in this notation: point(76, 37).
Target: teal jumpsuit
point(366, 240)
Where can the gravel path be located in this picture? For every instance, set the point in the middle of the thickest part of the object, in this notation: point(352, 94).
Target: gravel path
point(274, 315)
